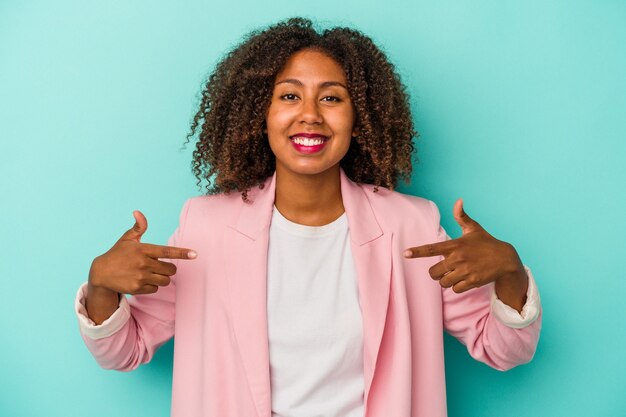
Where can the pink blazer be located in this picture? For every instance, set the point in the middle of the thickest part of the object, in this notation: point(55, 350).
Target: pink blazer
point(216, 308)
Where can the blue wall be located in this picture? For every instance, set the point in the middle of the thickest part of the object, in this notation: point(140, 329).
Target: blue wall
point(522, 112)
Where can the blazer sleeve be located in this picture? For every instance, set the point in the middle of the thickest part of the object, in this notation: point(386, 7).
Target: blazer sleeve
point(139, 326)
point(470, 318)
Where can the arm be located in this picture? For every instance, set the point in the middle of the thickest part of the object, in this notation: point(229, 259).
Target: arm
point(122, 336)
point(492, 336)
point(468, 270)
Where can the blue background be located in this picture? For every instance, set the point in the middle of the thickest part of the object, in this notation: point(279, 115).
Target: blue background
point(522, 112)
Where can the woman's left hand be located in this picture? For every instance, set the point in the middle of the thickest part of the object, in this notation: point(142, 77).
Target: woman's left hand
point(475, 259)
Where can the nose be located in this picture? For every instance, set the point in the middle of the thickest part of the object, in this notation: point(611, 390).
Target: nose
point(310, 112)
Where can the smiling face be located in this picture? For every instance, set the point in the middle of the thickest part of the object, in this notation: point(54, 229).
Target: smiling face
point(310, 120)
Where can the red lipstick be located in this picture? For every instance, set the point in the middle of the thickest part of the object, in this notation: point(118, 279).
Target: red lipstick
point(308, 143)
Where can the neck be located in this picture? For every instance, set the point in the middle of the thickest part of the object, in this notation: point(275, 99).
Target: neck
point(311, 200)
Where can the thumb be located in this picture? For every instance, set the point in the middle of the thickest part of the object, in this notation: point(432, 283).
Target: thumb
point(138, 229)
point(466, 222)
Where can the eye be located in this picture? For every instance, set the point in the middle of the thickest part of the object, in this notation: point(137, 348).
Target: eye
point(288, 97)
point(332, 99)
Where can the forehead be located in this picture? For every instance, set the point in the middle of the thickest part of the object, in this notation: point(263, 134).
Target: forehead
point(312, 66)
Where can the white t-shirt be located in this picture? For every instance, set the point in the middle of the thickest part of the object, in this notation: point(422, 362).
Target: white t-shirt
point(315, 325)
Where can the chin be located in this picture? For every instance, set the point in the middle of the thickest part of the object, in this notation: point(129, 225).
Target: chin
point(310, 170)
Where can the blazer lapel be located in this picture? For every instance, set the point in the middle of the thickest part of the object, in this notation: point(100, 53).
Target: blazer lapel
point(246, 244)
point(371, 249)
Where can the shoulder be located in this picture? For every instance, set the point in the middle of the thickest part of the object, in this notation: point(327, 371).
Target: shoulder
point(395, 210)
point(215, 200)
point(385, 194)
point(217, 207)
point(398, 202)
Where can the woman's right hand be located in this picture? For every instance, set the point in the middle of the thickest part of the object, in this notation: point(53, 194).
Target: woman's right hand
point(129, 267)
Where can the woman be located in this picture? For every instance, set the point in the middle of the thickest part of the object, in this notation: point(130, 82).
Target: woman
point(301, 284)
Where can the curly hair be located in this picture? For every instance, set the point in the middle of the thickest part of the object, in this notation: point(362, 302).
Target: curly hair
point(233, 153)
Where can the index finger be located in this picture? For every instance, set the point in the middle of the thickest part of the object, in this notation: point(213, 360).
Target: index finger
point(431, 249)
point(170, 252)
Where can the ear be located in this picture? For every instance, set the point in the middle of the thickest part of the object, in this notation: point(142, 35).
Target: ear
point(355, 131)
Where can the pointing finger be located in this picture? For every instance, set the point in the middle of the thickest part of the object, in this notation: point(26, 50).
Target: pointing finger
point(432, 249)
point(466, 222)
point(169, 252)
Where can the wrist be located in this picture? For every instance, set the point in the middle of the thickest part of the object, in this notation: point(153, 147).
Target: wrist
point(511, 289)
point(94, 287)
point(101, 302)
point(94, 282)
point(100, 292)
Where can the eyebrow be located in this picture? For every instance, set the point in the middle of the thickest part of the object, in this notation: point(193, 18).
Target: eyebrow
point(322, 84)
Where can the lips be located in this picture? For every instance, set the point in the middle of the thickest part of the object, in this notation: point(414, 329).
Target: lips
point(308, 142)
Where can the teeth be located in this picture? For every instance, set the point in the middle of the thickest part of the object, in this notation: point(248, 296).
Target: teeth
point(307, 141)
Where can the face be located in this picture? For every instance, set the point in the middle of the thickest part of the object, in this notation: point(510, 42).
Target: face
point(310, 120)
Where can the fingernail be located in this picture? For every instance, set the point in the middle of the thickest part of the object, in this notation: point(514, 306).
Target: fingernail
point(407, 253)
point(192, 254)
